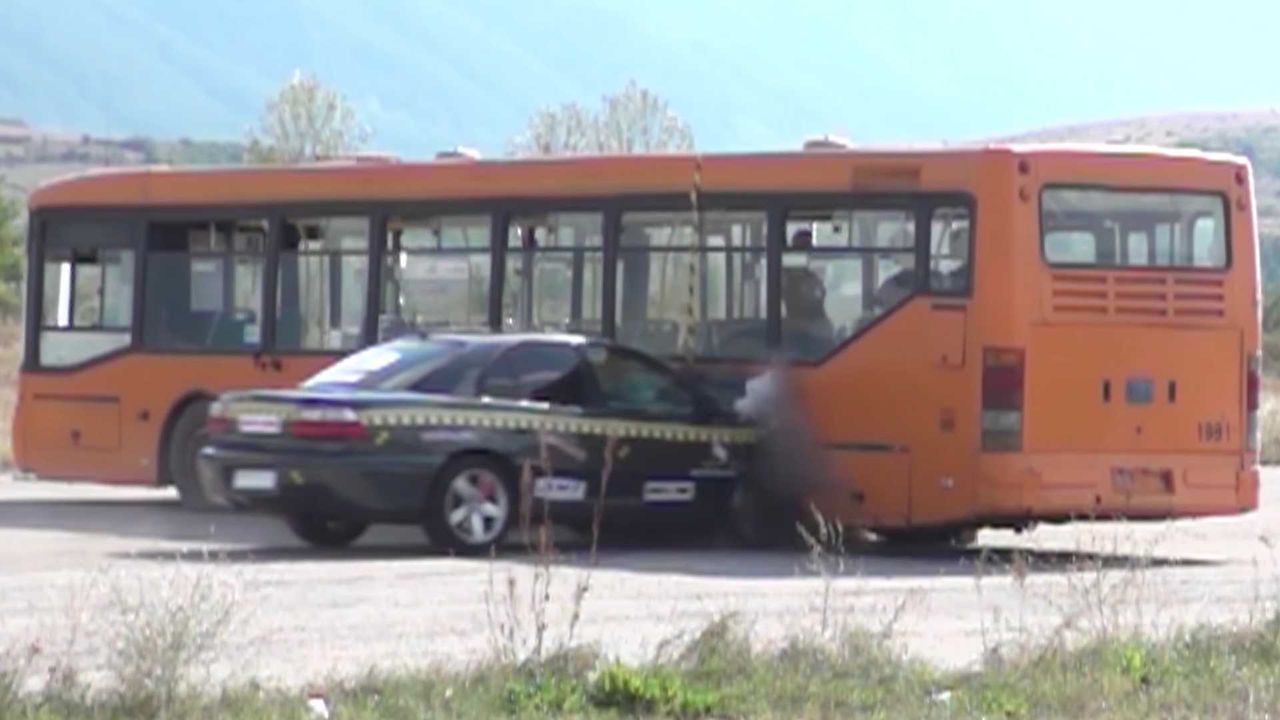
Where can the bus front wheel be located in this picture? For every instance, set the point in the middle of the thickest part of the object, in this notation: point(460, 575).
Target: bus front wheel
point(185, 440)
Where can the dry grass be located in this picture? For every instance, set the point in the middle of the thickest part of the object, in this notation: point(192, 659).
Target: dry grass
point(10, 356)
point(1269, 419)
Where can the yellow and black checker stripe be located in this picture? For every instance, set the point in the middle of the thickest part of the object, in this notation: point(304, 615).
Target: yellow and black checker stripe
point(516, 420)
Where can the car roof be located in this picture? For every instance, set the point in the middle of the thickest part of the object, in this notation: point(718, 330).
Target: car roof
point(482, 338)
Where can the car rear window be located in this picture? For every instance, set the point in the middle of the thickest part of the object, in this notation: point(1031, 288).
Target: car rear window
point(1129, 228)
point(389, 366)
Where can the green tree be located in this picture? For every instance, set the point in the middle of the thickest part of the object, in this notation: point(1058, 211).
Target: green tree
point(634, 120)
point(11, 258)
point(306, 121)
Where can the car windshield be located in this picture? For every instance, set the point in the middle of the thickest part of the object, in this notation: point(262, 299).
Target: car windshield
point(387, 366)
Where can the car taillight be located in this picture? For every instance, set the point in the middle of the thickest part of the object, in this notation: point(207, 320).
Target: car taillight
point(1253, 400)
point(327, 423)
point(217, 422)
point(1002, 383)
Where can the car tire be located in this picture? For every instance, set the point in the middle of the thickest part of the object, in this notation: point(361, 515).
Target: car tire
point(471, 504)
point(186, 439)
point(325, 532)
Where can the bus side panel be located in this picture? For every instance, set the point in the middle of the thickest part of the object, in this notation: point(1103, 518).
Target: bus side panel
point(902, 390)
point(104, 422)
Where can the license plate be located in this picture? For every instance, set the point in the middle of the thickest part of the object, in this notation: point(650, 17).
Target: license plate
point(668, 491)
point(559, 489)
point(260, 424)
point(254, 480)
point(1142, 481)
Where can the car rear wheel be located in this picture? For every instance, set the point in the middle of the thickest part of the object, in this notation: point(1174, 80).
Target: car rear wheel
point(326, 532)
point(470, 505)
point(185, 441)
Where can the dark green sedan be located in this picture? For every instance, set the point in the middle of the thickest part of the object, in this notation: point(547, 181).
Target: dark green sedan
point(467, 435)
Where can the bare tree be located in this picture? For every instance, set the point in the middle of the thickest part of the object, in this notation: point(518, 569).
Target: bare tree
point(634, 120)
point(638, 121)
point(565, 130)
point(306, 121)
point(11, 258)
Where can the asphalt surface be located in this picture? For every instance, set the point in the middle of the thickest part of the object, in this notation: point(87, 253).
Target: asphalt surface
point(83, 568)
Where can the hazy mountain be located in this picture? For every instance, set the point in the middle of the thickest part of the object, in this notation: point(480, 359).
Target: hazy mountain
point(427, 74)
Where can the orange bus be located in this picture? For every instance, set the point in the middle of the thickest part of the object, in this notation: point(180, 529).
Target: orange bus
point(980, 336)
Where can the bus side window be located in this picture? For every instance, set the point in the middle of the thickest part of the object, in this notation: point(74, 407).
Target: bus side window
point(436, 273)
point(691, 285)
point(87, 305)
point(950, 245)
point(554, 273)
point(322, 283)
point(204, 285)
point(841, 269)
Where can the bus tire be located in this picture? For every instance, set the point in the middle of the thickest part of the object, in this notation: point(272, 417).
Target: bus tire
point(945, 537)
point(186, 438)
point(322, 532)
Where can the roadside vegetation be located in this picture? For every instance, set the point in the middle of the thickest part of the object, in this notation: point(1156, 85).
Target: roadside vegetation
point(159, 648)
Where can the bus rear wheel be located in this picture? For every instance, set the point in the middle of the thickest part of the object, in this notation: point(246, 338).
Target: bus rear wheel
point(185, 440)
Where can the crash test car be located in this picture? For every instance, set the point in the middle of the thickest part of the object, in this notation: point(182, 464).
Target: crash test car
point(462, 433)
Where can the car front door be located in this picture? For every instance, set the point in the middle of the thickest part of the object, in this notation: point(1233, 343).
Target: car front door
point(563, 448)
point(663, 459)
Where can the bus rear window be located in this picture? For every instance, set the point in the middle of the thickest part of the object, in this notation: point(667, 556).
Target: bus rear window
point(1126, 228)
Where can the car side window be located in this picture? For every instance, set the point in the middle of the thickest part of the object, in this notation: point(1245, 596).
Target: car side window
point(537, 371)
point(629, 383)
point(457, 376)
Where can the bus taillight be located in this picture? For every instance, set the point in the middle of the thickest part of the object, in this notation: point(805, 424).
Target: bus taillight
point(1253, 399)
point(1002, 383)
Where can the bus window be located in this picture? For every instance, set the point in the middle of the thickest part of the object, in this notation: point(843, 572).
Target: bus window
point(554, 273)
point(840, 270)
point(87, 306)
point(323, 281)
point(680, 293)
point(437, 272)
point(949, 248)
point(1082, 226)
point(204, 285)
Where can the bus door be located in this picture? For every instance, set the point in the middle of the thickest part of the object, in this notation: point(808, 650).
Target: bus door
point(85, 321)
point(942, 485)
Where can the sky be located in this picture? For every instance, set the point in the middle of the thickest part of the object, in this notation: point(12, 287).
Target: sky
point(429, 74)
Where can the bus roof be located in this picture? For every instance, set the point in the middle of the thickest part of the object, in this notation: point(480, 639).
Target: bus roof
point(821, 169)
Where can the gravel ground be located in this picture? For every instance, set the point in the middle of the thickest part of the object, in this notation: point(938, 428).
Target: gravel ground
point(80, 563)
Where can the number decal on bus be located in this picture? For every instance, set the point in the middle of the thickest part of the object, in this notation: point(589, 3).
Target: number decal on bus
point(1213, 431)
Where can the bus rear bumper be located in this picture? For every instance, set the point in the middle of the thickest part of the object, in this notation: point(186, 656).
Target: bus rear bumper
point(1056, 486)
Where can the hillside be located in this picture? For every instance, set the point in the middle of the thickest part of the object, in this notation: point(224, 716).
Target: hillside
point(30, 155)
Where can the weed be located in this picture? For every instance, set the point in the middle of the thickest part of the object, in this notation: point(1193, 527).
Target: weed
point(161, 635)
point(651, 690)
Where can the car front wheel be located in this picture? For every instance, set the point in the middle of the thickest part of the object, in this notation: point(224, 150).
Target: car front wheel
point(326, 532)
point(470, 505)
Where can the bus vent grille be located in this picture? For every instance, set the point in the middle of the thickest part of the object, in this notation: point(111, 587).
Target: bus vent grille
point(1128, 296)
